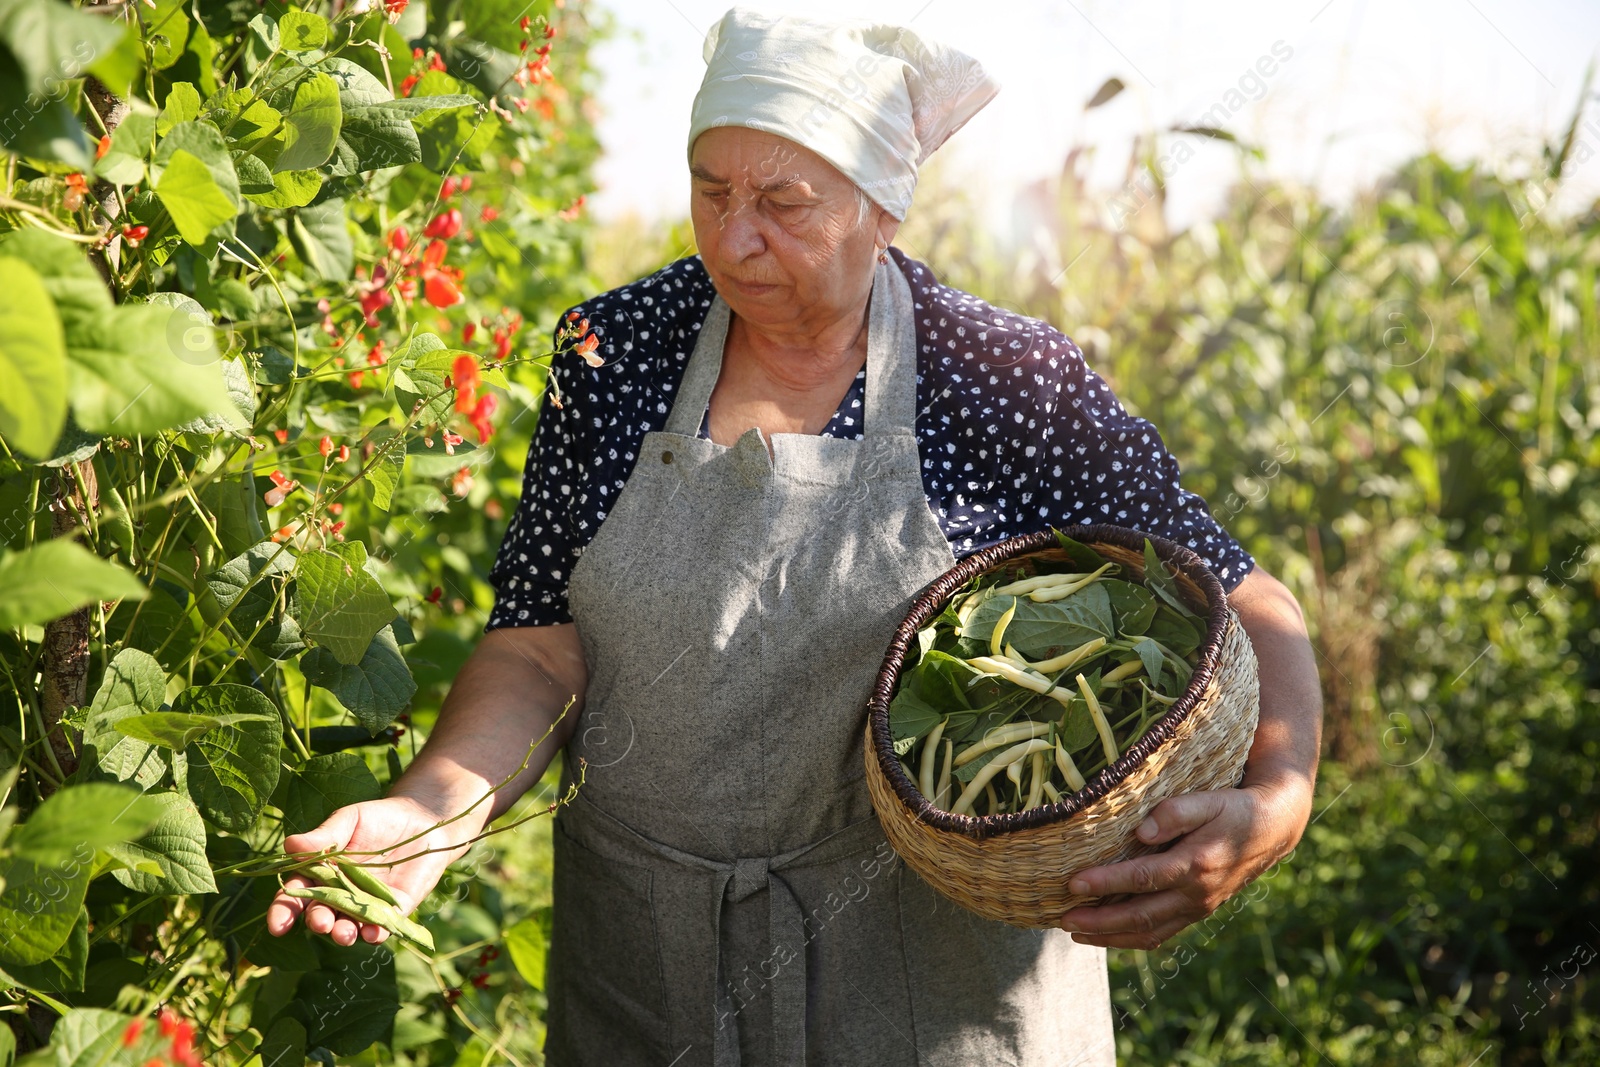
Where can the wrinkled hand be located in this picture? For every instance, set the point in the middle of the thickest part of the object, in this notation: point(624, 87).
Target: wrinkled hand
point(1224, 839)
point(370, 826)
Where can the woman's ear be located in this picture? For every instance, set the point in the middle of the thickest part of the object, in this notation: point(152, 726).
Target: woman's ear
point(888, 226)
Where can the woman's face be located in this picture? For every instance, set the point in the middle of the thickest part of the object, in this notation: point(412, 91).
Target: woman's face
point(777, 229)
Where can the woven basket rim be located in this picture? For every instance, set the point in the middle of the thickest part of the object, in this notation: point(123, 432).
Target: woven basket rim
point(930, 604)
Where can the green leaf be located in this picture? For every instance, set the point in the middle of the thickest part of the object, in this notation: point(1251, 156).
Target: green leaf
point(124, 161)
point(182, 105)
point(284, 1044)
point(233, 768)
point(241, 410)
point(1150, 655)
point(169, 729)
point(375, 137)
point(338, 603)
point(280, 635)
point(176, 843)
point(1161, 582)
point(1080, 730)
point(311, 123)
point(290, 188)
point(33, 361)
point(302, 31)
point(134, 371)
point(351, 999)
point(167, 31)
point(384, 475)
point(57, 577)
point(193, 338)
point(528, 942)
point(1177, 632)
point(1133, 606)
point(1041, 630)
point(1081, 556)
point(324, 784)
point(82, 816)
point(50, 132)
point(435, 462)
point(78, 291)
point(52, 42)
point(134, 684)
point(911, 717)
point(192, 198)
point(64, 971)
point(88, 1037)
point(374, 690)
point(40, 905)
point(321, 235)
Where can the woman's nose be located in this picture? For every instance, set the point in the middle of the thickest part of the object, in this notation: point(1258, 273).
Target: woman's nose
point(742, 235)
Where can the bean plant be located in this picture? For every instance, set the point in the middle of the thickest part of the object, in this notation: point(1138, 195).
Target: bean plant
point(269, 276)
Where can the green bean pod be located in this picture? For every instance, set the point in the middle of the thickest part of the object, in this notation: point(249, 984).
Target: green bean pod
point(366, 909)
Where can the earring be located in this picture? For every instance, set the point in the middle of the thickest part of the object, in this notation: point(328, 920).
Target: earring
point(883, 254)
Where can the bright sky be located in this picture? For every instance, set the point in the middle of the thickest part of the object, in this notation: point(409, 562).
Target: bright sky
point(1365, 85)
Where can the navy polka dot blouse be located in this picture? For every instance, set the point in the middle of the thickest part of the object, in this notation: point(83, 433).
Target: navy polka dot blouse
point(1015, 430)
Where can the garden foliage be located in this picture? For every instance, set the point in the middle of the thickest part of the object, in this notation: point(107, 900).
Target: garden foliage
point(267, 273)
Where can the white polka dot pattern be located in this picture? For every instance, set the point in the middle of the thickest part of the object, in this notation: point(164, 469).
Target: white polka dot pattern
point(1015, 430)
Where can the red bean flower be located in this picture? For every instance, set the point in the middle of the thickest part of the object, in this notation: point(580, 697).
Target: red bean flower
point(441, 285)
point(447, 225)
point(464, 372)
point(482, 416)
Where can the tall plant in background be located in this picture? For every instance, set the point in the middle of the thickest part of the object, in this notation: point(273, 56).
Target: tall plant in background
point(266, 381)
point(1396, 407)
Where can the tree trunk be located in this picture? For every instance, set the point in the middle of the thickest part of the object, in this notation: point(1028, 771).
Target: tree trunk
point(66, 640)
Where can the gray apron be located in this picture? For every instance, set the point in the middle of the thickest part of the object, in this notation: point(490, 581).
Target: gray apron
point(724, 895)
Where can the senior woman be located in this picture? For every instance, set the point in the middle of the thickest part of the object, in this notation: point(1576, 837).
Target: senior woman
point(790, 434)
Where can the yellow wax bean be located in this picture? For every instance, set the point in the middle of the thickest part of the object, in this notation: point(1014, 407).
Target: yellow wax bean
point(1014, 673)
point(1038, 581)
point(1000, 628)
point(1036, 790)
point(1000, 737)
point(1066, 659)
point(930, 754)
point(942, 796)
point(1052, 792)
point(1107, 742)
point(1127, 670)
point(1069, 770)
point(993, 767)
point(1061, 592)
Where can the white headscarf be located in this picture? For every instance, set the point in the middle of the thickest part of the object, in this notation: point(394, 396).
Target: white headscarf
point(873, 99)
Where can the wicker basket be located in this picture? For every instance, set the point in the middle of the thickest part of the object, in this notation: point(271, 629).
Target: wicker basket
point(1015, 867)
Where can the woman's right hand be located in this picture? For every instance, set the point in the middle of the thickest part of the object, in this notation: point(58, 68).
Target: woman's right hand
point(375, 826)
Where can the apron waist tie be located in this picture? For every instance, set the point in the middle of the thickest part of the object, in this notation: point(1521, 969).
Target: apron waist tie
point(741, 878)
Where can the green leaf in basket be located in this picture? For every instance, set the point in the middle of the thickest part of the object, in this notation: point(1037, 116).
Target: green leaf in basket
point(1175, 631)
point(1083, 557)
point(1161, 582)
point(1132, 605)
point(1079, 732)
point(1150, 655)
point(910, 718)
point(1039, 631)
point(965, 773)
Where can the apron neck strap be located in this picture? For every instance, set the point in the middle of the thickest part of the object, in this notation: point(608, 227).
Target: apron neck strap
point(891, 395)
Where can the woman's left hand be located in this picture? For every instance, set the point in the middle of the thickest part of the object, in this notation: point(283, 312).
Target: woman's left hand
point(1224, 839)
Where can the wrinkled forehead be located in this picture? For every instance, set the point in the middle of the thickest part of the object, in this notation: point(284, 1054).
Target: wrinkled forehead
point(756, 159)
